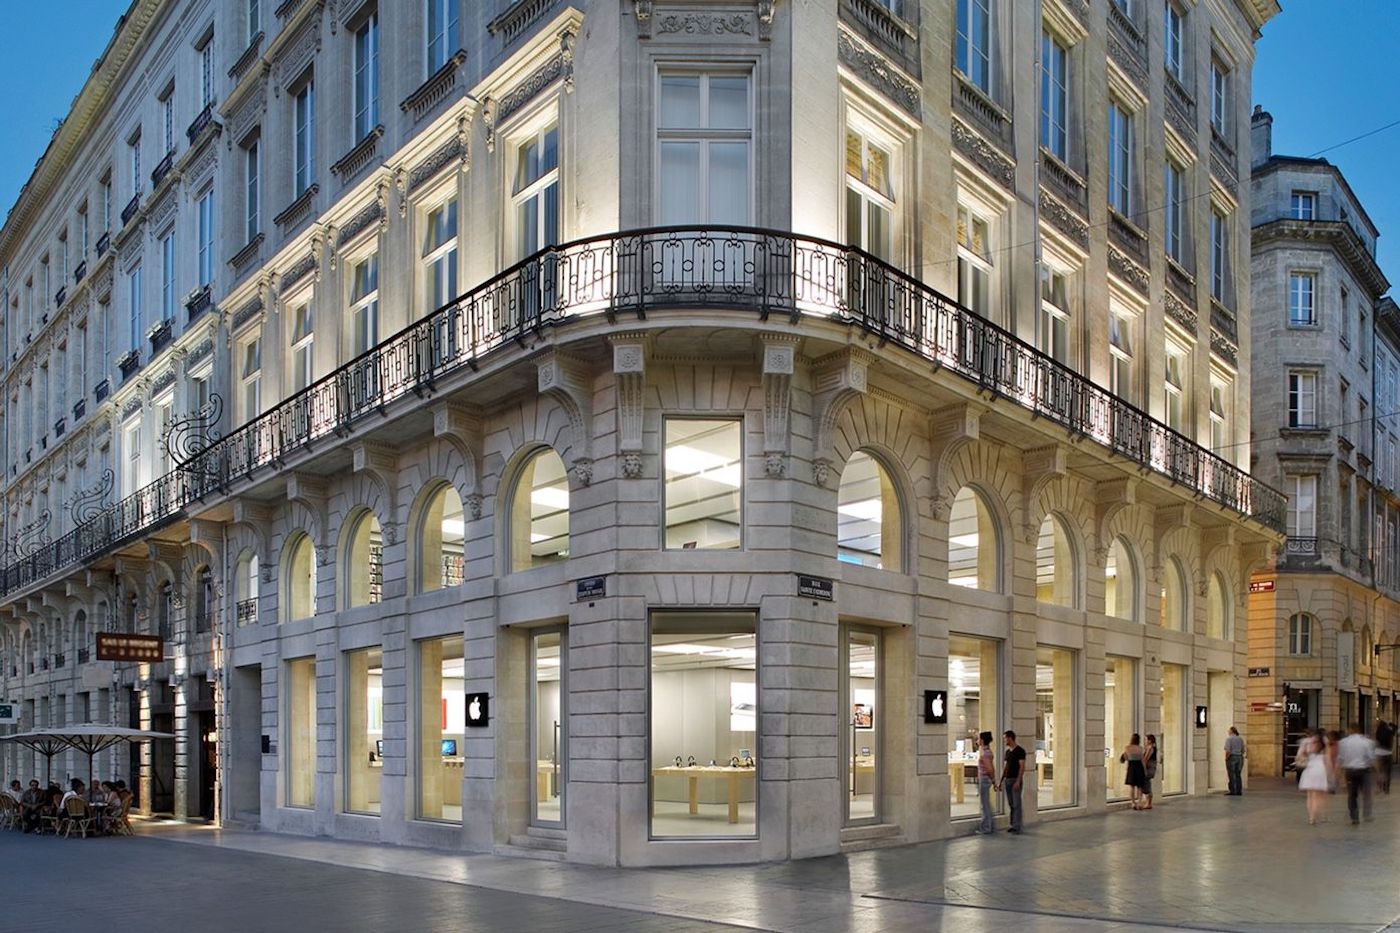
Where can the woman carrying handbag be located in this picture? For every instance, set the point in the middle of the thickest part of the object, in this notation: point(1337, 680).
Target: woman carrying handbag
point(1149, 769)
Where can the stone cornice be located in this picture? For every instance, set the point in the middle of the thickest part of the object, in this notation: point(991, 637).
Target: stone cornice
point(1334, 234)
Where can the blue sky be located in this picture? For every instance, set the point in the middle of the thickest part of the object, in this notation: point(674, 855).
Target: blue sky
point(1326, 69)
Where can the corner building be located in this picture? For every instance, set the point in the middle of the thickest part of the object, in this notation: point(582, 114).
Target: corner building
point(637, 416)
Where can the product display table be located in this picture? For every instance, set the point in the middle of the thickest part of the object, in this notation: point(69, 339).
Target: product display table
point(734, 775)
point(544, 773)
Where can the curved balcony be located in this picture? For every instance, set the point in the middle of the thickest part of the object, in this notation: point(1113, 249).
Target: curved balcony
point(642, 272)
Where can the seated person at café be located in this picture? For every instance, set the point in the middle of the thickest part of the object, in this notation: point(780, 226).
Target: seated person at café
point(16, 791)
point(75, 789)
point(31, 805)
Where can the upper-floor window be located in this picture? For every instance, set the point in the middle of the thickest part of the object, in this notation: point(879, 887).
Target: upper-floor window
point(440, 254)
point(364, 304)
point(442, 32)
point(252, 221)
point(974, 262)
point(106, 184)
point(1173, 40)
point(1125, 7)
point(1300, 634)
point(1173, 208)
point(134, 320)
point(1302, 294)
point(1219, 97)
point(1220, 415)
point(1120, 350)
point(254, 19)
point(869, 194)
point(1174, 385)
point(1344, 314)
point(705, 131)
point(82, 232)
point(303, 341)
point(367, 76)
point(167, 119)
point(535, 191)
point(1054, 95)
point(1302, 505)
point(1219, 255)
point(133, 147)
point(167, 276)
point(1302, 205)
point(1362, 339)
point(206, 238)
point(63, 256)
point(974, 48)
point(1302, 399)
point(703, 493)
point(305, 131)
point(206, 73)
point(1121, 151)
point(250, 378)
point(1053, 335)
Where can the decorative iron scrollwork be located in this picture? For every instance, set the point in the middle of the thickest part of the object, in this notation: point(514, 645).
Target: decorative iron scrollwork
point(31, 537)
point(190, 435)
point(90, 503)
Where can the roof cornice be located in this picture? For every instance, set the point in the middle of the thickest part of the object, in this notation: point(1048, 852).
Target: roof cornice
point(1259, 12)
point(1335, 234)
point(68, 140)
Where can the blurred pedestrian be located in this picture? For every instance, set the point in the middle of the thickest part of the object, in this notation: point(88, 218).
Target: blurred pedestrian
point(1356, 756)
point(1332, 739)
point(1234, 762)
point(1134, 777)
point(1385, 754)
point(1149, 769)
point(1311, 762)
point(986, 779)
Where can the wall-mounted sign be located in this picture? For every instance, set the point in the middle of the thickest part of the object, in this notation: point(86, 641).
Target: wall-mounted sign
point(1258, 672)
point(116, 646)
point(267, 744)
point(936, 706)
point(815, 587)
point(1201, 721)
point(1261, 586)
point(1346, 660)
point(9, 713)
point(478, 710)
point(591, 588)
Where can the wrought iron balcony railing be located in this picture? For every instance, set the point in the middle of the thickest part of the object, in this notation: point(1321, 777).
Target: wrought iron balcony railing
point(651, 271)
point(247, 610)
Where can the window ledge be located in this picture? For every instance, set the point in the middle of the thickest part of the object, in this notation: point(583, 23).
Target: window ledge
point(433, 90)
point(359, 155)
point(298, 209)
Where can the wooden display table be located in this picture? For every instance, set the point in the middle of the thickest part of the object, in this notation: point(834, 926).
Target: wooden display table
point(694, 773)
point(544, 773)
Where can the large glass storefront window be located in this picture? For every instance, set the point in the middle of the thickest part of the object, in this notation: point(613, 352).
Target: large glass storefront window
point(1171, 744)
point(546, 696)
point(442, 716)
point(540, 513)
point(704, 724)
point(364, 729)
point(442, 536)
point(867, 515)
point(301, 732)
point(972, 543)
point(1054, 728)
point(704, 483)
point(1119, 717)
point(863, 752)
point(974, 706)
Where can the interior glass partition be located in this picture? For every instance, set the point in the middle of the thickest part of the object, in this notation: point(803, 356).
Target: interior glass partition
point(364, 729)
point(974, 694)
point(301, 732)
point(1171, 744)
point(442, 717)
point(1119, 718)
point(862, 700)
point(1056, 774)
point(549, 733)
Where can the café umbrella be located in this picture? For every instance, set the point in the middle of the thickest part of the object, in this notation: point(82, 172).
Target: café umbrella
point(89, 739)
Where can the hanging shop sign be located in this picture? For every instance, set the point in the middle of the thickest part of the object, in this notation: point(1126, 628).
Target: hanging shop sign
point(478, 710)
point(117, 646)
point(936, 706)
point(815, 587)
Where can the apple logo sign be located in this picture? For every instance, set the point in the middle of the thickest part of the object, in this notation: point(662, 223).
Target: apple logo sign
point(936, 707)
point(474, 710)
point(478, 709)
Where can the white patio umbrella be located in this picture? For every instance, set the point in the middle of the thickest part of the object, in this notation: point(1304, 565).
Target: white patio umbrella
point(43, 741)
point(89, 738)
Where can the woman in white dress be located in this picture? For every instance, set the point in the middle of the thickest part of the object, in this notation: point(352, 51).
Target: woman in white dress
point(1312, 758)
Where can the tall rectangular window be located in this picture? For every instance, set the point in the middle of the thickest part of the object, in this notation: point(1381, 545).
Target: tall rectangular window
point(364, 305)
point(440, 255)
point(1054, 95)
point(1302, 306)
point(1053, 335)
point(133, 333)
point(1120, 350)
point(1302, 399)
point(974, 262)
point(303, 341)
point(442, 718)
point(252, 223)
point(442, 32)
point(1344, 314)
point(1175, 387)
point(704, 707)
point(535, 191)
point(131, 456)
point(301, 733)
point(254, 19)
point(869, 195)
point(975, 705)
point(83, 232)
point(705, 131)
point(1173, 40)
point(107, 202)
point(1220, 390)
point(305, 143)
point(704, 469)
point(974, 46)
point(1219, 255)
point(167, 119)
point(167, 276)
point(1172, 210)
point(1120, 717)
point(133, 148)
point(364, 729)
point(250, 378)
point(206, 73)
point(1055, 727)
point(1120, 158)
point(1302, 505)
point(206, 238)
point(1219, 97)
point(367, 76)
point(1302, 205)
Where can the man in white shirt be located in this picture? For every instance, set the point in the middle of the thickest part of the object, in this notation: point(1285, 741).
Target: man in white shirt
point(74, 790)
point(16, 791)
point(1356, 756)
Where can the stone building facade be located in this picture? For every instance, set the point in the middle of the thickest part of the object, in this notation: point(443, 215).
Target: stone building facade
point(602, 470)
point(1324, 434)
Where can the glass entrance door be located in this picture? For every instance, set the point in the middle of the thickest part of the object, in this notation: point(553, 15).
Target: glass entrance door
point(861, 697)
point(548, 735)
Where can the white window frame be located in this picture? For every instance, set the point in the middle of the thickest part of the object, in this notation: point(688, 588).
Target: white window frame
point(252, 190)
point(1122, 153)
point(1174, 180)
point(134, 155)
point(133, 278)
point(703, 136)
point(167, 119)
point(867, 193)
point(1054, 94)
point(1302, 398)
point(167, 276)
point(1302, 205)
point(206, 73)
point(1174, 56)
point(536, 190)
point(1300, 635)
point(365, 83)
point(1055, 320)
point(131, 456)
point(1219, 97)
point(1122, 379)
point(304, 136)
point(254, 20)
point(976, 60)
point(364, 306)
point(976, 266)
point(1221, 402)
point(301, 354)
point(1176, 381)
point(441, 257)
point(440, 24)
point(1302, 299)
point(250, 377)
point(163, 415)
point(1302, 491)
point(206, 237)
point(1219, 254)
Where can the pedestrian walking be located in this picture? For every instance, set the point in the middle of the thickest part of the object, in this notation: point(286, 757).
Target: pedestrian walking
point(986, 779)
point(1356, 756)
point(1385, 754)
point(1234, 762)
point(1149, 769)
point(1311, 763)
point(1135, 777)
point(1331, 740)
point(1013, 768)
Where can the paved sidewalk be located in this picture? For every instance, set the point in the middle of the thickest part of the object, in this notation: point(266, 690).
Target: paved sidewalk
point(1216, 863)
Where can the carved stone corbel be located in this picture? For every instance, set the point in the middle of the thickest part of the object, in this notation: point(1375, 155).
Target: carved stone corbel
point(461, 427)
point(309, 492)
point(381, 464)
point(764, 11)
point(837, 380)
point(629, 370)
point(464, 140)
point(950, 429)
point(566, 380)
point(488, 120)
point(642, 10)
point(1110, 498)
point(566, 56)
point(779, 362)
point(401, 186)
point(1040, 466)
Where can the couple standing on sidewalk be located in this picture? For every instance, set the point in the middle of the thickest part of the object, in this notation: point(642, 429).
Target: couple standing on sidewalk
point(1013, 769)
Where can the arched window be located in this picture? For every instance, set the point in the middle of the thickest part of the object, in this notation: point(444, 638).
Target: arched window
point(974, 548)
point(246, 588)
point(868, 529)
point(300, 580)
point(203, 601)
point(440, 535)
point(80, 637)
point(539, 513)
point(1366, 648)
point(1174, 608)
point(1120, 590)
point(364, 562)
point(1219, 623)
point(1300, 629)
point(1054, 564)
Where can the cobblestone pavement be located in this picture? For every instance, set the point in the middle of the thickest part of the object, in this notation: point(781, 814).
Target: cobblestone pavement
point(1217, 863)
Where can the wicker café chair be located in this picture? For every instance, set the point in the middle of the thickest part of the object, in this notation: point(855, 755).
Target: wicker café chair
point(117, 822)
point(9, 812)
point(76, 815)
